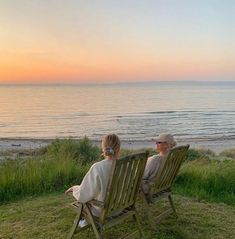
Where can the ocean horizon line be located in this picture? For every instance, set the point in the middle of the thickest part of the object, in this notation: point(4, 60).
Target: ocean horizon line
point(118, 83)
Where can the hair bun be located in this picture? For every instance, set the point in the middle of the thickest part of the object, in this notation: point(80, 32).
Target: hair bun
point(109, 151)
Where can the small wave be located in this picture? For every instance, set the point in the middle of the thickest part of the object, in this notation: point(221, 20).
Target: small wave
point(217, 112)
point(161, 112)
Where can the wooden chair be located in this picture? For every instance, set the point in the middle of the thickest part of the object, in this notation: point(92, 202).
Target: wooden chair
point(120, 199)
point(161, 186)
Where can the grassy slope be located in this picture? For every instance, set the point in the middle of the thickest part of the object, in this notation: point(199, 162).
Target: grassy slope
point(49, 216)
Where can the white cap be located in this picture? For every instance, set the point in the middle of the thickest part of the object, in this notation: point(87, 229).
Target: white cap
point(168, 138)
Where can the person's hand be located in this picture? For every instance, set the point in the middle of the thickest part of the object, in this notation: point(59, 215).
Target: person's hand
point(70, 190)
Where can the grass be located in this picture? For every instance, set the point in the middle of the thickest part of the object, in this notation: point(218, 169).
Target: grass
point(35, 177)
point(61, 165)
point(65, 162)
point(49, 216)
point(212, 180)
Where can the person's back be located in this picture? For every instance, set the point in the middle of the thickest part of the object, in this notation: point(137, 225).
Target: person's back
point(94, 184)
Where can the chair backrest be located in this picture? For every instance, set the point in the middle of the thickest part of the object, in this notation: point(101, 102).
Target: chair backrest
point(124, 183)
point(169, 168)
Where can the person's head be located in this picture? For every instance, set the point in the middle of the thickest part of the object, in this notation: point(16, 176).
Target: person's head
point(165, 142)
point(111, 145)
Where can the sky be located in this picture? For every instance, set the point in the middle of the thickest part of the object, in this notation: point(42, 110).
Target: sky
point(73, 41)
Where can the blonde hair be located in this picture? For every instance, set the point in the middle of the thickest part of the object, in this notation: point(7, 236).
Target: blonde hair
point(111, 145)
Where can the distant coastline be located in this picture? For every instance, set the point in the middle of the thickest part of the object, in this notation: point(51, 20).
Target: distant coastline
point(105, 83)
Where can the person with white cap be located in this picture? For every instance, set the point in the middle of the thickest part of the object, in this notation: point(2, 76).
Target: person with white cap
point(164, 142)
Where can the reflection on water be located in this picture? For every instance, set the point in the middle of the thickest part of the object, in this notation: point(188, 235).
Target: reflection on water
point(134, 111)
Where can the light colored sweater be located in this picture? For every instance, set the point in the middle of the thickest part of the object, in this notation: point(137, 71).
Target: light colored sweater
point(151, 168)
point(94, 184)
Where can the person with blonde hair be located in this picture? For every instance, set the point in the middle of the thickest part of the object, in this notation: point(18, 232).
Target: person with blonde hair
point(164, 142)
point(95, 182)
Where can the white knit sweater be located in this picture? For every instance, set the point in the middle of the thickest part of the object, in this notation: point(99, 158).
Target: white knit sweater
point(94, 184)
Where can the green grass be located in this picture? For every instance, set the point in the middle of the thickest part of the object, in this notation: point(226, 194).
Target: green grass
point(32, 177)
point(212, 180)
point(60, 166)
point(63, 163)
point(49, 216)
point(204, 176)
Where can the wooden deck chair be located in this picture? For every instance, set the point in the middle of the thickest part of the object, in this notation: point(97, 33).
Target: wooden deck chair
point(120, 199)
point(161, 186)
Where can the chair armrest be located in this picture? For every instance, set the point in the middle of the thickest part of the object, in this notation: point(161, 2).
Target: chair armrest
point(146, 181)
point(93, 202)
point(96, 203)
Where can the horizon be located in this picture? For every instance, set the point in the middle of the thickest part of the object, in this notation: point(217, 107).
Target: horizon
point(161, 82)
point(106, 42)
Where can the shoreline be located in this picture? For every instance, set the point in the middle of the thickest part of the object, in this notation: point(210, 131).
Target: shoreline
point(28, 143)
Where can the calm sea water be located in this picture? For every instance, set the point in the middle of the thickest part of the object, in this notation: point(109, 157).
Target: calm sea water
point(137, 111)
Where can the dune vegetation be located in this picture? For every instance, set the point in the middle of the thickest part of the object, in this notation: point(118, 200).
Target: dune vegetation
point(64, 162)
point(34, 181)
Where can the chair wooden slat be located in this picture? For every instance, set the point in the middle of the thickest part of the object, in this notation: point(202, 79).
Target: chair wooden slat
point(113, 190)
point(120, 199)
point(164, 178)
point(126, 183)
point(130, 168)
point(131, 184)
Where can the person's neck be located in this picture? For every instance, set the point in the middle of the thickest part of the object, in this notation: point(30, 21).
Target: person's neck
point(111, 157)
point(163, 153)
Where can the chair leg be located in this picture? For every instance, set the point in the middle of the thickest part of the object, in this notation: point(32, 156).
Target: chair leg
point(149, 214)
point(76, 222)
point(141, 233)
point(172, 205)
point(98, 233)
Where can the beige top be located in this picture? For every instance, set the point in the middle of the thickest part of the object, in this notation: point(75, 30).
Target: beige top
point(94, 184)
point(151, 168)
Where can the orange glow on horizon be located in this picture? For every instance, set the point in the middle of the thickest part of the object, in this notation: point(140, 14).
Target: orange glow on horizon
point(33, 68)
point(100, 42)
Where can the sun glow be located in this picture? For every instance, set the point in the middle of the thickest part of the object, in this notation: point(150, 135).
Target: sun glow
point(79, 42)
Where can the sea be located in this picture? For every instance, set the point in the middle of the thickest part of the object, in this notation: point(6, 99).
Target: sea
point(193, 111)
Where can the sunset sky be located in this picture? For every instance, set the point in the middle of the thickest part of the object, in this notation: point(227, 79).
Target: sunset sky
point(45, 41)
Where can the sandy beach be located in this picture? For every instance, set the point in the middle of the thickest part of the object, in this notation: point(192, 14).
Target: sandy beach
point(23, 143)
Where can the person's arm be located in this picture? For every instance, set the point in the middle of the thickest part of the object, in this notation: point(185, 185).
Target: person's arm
point(71, 189)
point(89, 188)
point(148, 168)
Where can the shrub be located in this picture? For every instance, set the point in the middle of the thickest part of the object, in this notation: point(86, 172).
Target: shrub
point(199, 154)
point(206, 152)
point(230, 153)
point(193, 154)
point(81, 151)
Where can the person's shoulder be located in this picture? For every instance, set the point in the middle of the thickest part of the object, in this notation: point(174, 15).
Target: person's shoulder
point(100, 164)
point(154, 157)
